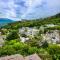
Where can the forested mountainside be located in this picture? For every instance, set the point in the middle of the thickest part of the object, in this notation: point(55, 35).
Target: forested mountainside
point(36, 22)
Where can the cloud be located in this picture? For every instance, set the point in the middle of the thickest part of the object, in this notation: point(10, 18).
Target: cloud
point(31, 5)
point(7, 8)
point(28, 9)
point(42, 8)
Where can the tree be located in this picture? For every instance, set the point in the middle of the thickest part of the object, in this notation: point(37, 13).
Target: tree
point(12, 35)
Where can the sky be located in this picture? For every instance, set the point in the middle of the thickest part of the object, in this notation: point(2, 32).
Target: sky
point(28, 9)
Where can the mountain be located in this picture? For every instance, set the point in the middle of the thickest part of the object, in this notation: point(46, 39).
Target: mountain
point(36, 22)
point(4, 21)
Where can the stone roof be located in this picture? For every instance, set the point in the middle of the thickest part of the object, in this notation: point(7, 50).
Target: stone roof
point(20, 57)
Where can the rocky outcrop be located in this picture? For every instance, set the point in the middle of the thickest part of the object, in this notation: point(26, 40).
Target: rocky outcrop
point(13, 57)
point(53, 36)
point(33, 57)
point(20, 57)
point(1, 41)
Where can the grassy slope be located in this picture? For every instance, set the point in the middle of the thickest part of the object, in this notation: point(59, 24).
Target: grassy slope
point(37, 22)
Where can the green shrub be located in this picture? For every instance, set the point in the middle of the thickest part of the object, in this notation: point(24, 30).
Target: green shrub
point(7, 50)
point(54, 51)
point(32, 50)
point(12, 35)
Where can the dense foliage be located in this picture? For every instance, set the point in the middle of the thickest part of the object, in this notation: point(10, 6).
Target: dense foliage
point(34, 45)
point(16, 47)
point(54, 51)
point(12, 35)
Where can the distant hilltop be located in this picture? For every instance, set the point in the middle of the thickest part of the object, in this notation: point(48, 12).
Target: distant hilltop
point(4, 21)
point(55, 19)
